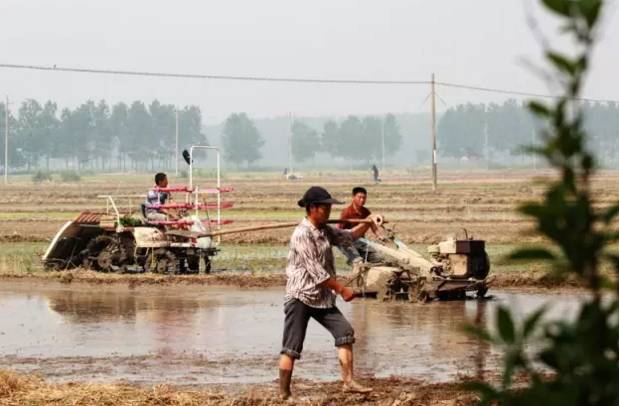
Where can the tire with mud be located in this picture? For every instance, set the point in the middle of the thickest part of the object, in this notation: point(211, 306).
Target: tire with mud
point(162, 261)
point(99, 246)
point(193, 264)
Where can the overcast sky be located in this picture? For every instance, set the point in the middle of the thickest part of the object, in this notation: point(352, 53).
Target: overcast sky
point(477, 42)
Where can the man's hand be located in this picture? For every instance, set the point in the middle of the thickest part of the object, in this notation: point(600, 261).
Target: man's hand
point(347, 294)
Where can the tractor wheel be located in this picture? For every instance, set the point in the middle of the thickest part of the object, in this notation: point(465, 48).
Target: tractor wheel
point(193, 264)
point(163, 262)
point(94, 249)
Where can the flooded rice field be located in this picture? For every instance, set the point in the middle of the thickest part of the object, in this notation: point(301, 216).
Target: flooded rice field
point(200, 335)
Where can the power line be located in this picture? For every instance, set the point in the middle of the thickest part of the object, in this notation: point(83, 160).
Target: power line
point(518, 92)
point(216, 77)
point(252, 78)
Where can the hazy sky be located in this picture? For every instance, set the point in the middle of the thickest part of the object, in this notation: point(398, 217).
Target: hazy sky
point(477, 42)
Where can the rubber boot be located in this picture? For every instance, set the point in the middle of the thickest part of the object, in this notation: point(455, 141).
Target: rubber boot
point(285, 376)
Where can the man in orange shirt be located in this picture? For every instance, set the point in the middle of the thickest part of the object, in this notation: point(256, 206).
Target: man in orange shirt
point(357, 210)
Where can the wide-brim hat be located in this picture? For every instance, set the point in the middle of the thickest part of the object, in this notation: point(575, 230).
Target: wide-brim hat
point(317, 195)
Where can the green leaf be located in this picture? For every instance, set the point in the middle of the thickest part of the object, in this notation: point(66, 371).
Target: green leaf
point(562, 62)
point(506, 325)
point(531, 253)
point(591, 10)
point(561, 7)
point(530, 322)
point(609, 214)
point(539, 109)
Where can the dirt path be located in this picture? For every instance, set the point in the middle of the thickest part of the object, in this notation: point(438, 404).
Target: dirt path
point(16, 389)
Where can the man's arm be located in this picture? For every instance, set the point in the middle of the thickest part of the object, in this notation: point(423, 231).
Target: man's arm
point(346, 292)
point(360, 229)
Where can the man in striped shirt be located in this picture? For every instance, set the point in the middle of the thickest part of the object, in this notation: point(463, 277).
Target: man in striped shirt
point(312, 287)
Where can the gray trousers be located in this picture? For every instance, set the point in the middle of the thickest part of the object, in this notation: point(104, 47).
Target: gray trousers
point(360, 249)
point(295, 326)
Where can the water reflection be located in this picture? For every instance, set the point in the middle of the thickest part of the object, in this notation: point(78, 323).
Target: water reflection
point(229, 334)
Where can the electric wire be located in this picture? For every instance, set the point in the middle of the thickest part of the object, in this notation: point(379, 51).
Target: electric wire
point(254, 78)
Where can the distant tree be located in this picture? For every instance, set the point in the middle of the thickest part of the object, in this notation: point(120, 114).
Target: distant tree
point(393, 137)
point(241, 140)
point(329, 138)
point(29, 136)
point(351, 141)
point(82, 133)
point(103, 140)
point(164, 127)
point(461, 131)
point(190, 127)
point(65, 146)
point(372, 138)
point(49, 126)
point(119, 131)
point(139, 131)
point(305, 141)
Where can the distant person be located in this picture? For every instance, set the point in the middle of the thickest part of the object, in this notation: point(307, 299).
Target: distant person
point(375, 174)
point(285, 171)
point(357, 211)
point(155, 197)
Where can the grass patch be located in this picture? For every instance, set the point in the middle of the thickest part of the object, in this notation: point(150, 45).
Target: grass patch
point(25, 257)
point(21, 258)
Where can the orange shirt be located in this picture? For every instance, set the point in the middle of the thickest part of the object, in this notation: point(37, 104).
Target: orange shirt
point(352, 213)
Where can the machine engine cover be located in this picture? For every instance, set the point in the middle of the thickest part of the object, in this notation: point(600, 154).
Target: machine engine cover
point(469, 265)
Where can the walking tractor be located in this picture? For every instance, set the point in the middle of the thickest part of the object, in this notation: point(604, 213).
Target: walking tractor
point(115, 241)
point(455, 267)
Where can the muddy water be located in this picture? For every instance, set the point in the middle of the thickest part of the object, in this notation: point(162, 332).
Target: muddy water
point(198, 335)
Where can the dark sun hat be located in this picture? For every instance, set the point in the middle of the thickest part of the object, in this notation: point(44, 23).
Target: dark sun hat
point(317, 195)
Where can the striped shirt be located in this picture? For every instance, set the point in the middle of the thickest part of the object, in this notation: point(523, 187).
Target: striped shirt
point(311, 262)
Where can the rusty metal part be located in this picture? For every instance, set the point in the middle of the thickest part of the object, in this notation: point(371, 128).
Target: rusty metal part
point(88, 217)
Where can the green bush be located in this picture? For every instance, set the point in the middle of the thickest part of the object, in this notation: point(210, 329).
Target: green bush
point(41, 176)
point(567, 361)
point(70, 176)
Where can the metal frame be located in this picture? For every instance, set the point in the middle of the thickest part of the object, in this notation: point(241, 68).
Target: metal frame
point(212, 148)
point(109, 201)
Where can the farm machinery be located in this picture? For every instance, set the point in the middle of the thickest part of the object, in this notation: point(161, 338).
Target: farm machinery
point(455, 267)
point(113, 242)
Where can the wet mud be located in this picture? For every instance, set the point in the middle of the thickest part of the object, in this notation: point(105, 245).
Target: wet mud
point(195, 335)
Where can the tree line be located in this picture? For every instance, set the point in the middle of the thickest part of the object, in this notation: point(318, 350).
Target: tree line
point(354, 138)
point(97, 135)
point(473, 129)
point(137, 136)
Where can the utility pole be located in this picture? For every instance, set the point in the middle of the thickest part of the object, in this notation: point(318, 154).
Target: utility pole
point(433, 136)
point(6, 141)
point(176, 148)
point(290, 143)
point(486, 150)
point(382, 133)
